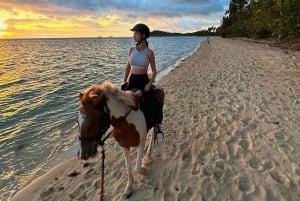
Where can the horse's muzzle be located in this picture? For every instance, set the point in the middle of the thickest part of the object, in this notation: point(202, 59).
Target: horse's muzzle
point(83, 156)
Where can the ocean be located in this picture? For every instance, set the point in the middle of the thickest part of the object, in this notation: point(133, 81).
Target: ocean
point(40, 80)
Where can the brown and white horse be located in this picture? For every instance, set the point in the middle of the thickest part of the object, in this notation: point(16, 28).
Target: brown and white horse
point(104, 105)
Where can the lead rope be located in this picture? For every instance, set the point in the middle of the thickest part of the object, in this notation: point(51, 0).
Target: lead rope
point(102, 175)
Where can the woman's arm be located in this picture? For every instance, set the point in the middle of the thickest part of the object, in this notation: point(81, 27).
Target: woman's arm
point(128, 66)
point(153, 68)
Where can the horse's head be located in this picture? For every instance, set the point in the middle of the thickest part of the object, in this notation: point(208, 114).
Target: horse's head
point(93, 121)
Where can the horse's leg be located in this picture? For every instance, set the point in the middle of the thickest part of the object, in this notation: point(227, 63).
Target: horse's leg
point(149, 149)
point(139, 156)
point(128, 191)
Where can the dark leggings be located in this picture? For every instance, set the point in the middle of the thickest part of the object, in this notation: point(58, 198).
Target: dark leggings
point(138, 81)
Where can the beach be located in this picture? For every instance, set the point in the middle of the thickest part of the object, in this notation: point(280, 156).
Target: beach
point(231, 124)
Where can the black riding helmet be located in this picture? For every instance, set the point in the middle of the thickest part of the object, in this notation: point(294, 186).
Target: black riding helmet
point(144, 29)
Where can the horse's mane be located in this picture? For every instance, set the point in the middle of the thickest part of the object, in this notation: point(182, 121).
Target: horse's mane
point(111, 91)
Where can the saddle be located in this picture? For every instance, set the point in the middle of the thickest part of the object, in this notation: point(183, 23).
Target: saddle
point(151, 103)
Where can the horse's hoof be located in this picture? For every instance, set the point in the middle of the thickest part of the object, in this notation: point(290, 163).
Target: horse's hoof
point(147, 160)
point(127, 195)
point(142, 171)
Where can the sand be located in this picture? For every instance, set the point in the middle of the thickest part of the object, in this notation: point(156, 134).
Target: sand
point(232, 126)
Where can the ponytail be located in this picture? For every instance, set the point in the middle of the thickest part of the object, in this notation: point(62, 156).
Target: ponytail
point(142, 41)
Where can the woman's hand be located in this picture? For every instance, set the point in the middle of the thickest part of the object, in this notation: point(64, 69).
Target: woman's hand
point(148, 86)
point(124, 86)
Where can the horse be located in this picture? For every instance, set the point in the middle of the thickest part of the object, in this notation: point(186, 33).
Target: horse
point(105, 104)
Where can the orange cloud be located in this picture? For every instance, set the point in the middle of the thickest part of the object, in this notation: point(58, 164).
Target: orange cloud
point(19, 23)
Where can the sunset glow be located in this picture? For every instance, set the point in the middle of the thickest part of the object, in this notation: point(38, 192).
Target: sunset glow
point(53, 18)
point(2, 27)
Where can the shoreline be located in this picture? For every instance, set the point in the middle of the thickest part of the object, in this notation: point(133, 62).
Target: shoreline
point(225, 119)
point(168, 69)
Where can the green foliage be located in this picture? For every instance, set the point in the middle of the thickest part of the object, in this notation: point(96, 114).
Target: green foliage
point(262, 19)
point(211, 31)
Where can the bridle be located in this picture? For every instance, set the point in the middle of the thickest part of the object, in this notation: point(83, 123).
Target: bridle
point(105, 118)
point(102, 131)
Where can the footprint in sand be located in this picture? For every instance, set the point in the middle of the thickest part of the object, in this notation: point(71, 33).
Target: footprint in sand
point(219, 169)
point(74, 195)
point(207, 171)
point(234, 148)
point(223, 151)
point(89, 173)
point(168, 196)
point(219, 121)
point(287, 148)
point(246, 121)
point(242, 107)
point(245, 144)
point(84, 197)
point(296, 103)
point(46, 194)
point(255, 163)
point(272, 95)
point(186, 159)
point(245, 184)
point(196, 169)
point(297, 170)
point(269, 165)
point(186, 194)
point(281, 178)
point(97, 184)
point(202, 156)
point(270, 196)
point(280, 135)
point(291, 90)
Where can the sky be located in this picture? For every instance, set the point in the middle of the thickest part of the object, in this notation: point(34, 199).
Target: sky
point(93, 18)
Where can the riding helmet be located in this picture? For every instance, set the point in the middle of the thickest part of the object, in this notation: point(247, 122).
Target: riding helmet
point(144, 29)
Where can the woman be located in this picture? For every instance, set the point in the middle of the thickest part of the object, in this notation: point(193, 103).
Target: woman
point(139, 58)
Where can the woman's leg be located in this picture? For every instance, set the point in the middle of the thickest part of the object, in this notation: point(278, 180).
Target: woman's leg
point(138, 81)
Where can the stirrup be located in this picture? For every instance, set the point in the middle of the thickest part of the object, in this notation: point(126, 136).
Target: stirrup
point(159, 135)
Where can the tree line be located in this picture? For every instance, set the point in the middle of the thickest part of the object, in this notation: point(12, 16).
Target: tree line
point(262, 19)
point(210, 31)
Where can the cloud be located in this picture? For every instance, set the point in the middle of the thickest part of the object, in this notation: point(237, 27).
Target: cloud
point(167, 7)
point(107, 17)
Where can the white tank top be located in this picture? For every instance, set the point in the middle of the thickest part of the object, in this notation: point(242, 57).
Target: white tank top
point(139, 59)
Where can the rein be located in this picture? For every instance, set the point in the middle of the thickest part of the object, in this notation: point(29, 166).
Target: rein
point(101, 143)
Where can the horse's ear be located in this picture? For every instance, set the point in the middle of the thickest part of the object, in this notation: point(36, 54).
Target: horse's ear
point(80, 95)
point(97, 99)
